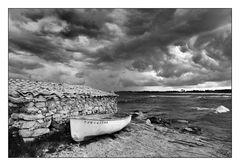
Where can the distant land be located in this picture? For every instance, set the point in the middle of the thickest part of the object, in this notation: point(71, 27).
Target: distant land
point(181, 91)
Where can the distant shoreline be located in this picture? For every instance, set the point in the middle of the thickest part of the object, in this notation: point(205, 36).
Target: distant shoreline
point(180, 92)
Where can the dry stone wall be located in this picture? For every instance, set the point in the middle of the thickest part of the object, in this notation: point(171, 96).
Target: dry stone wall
point(39, 114)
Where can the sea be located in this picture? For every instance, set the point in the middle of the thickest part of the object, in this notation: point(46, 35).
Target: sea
point(198, 108)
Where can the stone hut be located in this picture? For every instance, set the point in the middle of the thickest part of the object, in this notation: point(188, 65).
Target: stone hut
point(38, 108)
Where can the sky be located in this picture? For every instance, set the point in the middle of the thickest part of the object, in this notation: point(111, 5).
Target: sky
point(123, 49)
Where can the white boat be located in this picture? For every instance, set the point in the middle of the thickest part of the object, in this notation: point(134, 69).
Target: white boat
point(83, 128)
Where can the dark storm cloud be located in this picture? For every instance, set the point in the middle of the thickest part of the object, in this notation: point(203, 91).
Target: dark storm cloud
point(221, 40)
point(140, 65)
point(143, 20)
point(37, 45)
point(157, 33)
point(162, 27)
point(181, 46)
point(83, 21)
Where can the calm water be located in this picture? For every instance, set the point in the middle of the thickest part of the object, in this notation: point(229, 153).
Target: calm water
point(198, 108)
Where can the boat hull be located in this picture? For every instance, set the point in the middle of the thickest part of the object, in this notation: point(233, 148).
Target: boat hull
point(83, 128)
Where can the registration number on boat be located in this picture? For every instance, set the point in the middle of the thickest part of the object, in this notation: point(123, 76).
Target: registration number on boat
point(95, 122)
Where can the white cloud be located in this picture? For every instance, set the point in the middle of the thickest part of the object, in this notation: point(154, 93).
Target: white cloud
point(113, 30)
point(178, 56)
point(83, 43)
point(47, 24)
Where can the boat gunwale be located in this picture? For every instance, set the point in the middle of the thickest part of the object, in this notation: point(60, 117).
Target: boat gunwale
point(110, 119)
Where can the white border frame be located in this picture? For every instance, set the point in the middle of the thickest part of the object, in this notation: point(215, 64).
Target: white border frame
point(120, 4)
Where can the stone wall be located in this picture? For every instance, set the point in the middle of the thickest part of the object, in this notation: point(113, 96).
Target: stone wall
point(44, 115)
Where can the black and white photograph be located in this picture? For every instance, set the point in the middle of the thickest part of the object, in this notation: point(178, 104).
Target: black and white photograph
point(119, 82)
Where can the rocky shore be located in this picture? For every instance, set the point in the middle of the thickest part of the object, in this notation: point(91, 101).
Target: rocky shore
point(147, 136)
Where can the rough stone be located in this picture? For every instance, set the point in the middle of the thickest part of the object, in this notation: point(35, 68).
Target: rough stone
point(162, 121)
point(16, 100)
point(87, 107)
point(45, 124)
point(138, 115)
point(31, 125)
point(182, 121)
point(59, 108)
point(44, 110)
point(29, 96)
point(31, 104)
point(40, 104)
point(161, 129)
point(101, 110)
point(57, 116)
point(75, 113)
point(60, 117)
point(10, 121)
point(11, 104)
point(221, 109)
point(56, 98)
point(33, 133)
point(188, 129)
point(96, 109)
point(32, 110)
point(40, 121)
point(63, 111)
point(148, 122)
point(28, 139)
point(53, 110)
point(47, 118)
point(26, 116)
point(156, 120)
point(57, 102)
point(192, 130)
point(51, 105)
point(40, 131)
point(25, 133)
point(17, 124)
point(40, 99)
point(62, 103)
point(67, 107)
point(13, 93)
point(28, 124)
point(76, 109)
point(49, 114)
